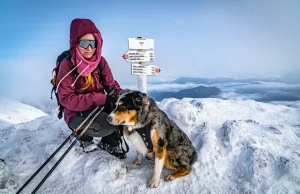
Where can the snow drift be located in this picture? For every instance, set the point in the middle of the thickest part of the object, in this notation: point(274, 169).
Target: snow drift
point(243, 146)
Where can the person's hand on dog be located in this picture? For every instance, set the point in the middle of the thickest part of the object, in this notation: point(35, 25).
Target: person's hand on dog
point(110, 103)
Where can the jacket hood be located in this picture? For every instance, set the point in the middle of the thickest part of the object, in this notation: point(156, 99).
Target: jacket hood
point(80, 27)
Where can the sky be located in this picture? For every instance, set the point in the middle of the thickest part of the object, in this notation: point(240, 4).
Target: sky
point(250, 38)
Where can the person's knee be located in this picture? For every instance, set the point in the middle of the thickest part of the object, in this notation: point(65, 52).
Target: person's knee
point(102, 131)
point(74, 122)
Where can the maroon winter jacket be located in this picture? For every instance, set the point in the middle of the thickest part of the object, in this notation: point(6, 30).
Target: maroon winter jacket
point(73, 99)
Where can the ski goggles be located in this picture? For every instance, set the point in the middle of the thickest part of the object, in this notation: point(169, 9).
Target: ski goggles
point(85, 43)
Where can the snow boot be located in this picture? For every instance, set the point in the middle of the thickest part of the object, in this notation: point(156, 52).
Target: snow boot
point(113, 150)
point(113, 145)
point(88, 146)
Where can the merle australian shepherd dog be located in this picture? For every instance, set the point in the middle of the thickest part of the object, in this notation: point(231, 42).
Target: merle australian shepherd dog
point(171, 146)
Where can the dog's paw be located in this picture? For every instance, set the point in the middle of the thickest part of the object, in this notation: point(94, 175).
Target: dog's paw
point(138, 159)
point(150, 156)
point(170, 178)
point(153, 183)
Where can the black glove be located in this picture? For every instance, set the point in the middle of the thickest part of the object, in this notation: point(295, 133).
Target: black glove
point(110, 103)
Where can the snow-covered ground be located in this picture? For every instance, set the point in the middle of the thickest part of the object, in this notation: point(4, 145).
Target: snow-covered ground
point(243, 146)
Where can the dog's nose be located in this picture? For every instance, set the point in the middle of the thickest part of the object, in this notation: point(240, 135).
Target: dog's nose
point(109, 119)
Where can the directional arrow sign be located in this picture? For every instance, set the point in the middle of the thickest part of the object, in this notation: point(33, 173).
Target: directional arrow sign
point(139, 56)
point(140, 43)
point(137, 69)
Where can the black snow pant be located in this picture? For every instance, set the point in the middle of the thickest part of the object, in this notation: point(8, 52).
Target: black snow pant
point(99, 128)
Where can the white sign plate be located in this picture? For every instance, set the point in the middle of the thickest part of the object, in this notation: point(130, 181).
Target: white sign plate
point(137, 69)
point(139, 56)
point(140, 43)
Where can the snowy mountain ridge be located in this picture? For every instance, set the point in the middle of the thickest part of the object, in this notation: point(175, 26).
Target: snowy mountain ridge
point(243, 146)
point(13, 112)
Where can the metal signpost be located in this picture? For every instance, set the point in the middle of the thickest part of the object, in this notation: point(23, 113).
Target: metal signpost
point(141, 50)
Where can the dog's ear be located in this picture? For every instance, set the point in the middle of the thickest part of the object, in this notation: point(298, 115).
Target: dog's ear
point(138, 99)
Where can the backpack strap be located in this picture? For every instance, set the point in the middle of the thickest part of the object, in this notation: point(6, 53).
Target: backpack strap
point(68, 56)
point(99, 68)
point(64, 55)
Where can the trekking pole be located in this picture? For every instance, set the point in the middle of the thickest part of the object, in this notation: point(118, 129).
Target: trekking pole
point(57, 150)
point(72, 145)
point(46, 162)
point(66, 152)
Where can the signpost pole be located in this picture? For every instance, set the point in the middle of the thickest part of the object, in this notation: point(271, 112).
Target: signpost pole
point(142, 79)
point(142, 82)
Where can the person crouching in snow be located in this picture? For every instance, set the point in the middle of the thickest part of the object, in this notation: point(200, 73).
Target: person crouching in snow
point(81, 94)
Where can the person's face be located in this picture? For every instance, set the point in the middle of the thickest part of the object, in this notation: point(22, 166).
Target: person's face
point(89, 51)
